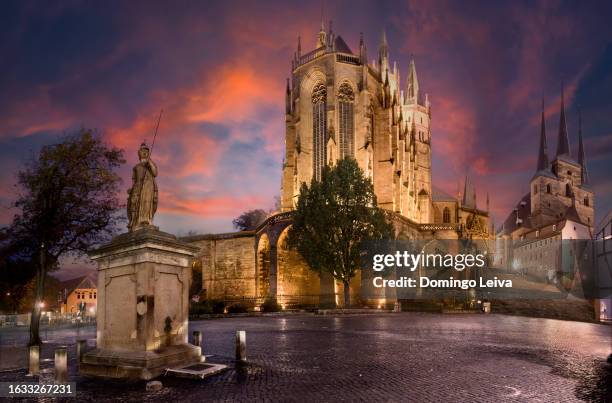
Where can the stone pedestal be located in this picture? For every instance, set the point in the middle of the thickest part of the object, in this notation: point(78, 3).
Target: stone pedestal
point(143, 306)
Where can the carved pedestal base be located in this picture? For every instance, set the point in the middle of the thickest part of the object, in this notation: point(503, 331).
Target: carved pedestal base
point(143, 305)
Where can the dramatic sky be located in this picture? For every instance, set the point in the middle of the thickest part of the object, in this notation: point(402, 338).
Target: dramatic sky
point(218, 70)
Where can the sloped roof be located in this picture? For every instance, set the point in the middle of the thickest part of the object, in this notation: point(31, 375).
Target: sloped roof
point(341, 46)
point(544, 172)
point(440, 195)
point(79, 282)
point(568, 159)
point(572, 214)
point(523, 209)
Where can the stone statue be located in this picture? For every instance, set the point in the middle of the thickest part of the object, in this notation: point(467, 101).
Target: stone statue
point(142, 196)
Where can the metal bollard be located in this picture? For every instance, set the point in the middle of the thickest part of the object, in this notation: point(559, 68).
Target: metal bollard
point(197, 338)
point(34, 360)
point(81, 347)
point(61, 365)
point(241, 345)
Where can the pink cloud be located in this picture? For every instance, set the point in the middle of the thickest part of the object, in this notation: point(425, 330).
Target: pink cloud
point(224, 206)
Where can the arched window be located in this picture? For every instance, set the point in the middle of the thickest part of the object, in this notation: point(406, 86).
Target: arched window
point(535, 189)
point(586, 201)
point(548, 188)
point(446, 215)
point(568, 190)
point(319, 129)
point(346, 100)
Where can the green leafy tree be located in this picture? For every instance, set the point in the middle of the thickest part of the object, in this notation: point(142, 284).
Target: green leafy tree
point(68, 203)
point(333, 218)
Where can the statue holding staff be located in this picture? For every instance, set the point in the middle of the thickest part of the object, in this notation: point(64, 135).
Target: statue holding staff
point(142, 196)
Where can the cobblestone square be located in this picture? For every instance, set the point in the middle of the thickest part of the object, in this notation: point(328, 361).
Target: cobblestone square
point(382, 357)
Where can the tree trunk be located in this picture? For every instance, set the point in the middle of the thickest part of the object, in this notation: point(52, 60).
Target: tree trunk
point(36, 309)
point(347, 294)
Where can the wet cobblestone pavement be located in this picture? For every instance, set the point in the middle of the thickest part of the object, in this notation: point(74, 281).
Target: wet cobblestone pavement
point(385, 357)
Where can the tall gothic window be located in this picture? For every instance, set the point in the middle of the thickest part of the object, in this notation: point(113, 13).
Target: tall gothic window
point(346, 99)
point(446, 215)
point(319, 129)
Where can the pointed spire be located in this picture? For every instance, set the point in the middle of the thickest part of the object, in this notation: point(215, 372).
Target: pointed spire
point(487, 201)
point(563, 147)
point(322, 41)
point(299, 46)
point(361, 49)
point(469, 194)
point(383, 52)
point(543, 152)
point(412, 84)
point(459, 191)
point(584, 173)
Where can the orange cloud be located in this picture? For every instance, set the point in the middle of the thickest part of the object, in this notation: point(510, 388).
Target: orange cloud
point(224, 206)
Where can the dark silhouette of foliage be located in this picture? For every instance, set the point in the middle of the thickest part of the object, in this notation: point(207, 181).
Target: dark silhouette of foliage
point(249, 220)
point(68, 203)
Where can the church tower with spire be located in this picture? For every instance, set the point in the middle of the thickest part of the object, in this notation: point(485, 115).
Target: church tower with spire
point(559, 189)
point(339, 105)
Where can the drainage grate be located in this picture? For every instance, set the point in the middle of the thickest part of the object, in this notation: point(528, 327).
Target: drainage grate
point(196, 371)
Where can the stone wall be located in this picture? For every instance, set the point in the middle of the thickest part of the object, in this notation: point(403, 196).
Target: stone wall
point(228, 265)
point(249, 266)
point(297, 284)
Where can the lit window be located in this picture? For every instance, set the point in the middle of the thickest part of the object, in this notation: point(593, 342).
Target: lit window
point(346, 100)
point(319, 129)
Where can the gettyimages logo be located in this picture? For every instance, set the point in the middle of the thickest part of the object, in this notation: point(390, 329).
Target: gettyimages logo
point(503, 269)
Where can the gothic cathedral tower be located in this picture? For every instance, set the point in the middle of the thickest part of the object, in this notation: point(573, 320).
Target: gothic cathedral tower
point(337, 105)
point(561, 187)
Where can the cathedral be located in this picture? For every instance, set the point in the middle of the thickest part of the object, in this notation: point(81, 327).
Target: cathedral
point(338, 104)
point(559, 206)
